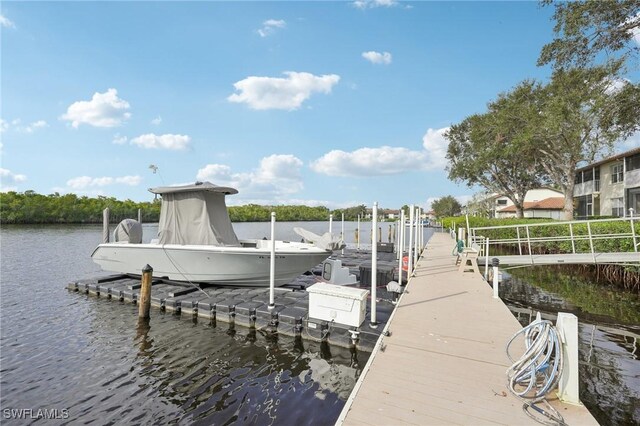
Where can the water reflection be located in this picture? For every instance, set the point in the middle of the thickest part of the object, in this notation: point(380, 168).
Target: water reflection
point(609, 350)
point(63, 350)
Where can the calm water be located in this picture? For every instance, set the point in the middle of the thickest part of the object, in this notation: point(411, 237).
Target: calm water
point(609, 335)
point(67, 351)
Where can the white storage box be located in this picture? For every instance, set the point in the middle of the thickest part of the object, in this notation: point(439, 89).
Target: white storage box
point(344, 305)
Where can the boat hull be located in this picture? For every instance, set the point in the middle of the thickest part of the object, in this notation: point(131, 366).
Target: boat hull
point(238, 266)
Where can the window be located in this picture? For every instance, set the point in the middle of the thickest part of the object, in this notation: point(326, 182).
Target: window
point(578, 178)
point(617, 207)
point(587, 175)
point(617, 173)
point(502, 202)
point(633, 162)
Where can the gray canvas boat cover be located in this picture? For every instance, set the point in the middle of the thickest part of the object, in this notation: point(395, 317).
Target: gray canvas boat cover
point(195, 214)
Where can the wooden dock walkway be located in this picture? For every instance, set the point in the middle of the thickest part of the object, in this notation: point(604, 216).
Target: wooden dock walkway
point(444, 361)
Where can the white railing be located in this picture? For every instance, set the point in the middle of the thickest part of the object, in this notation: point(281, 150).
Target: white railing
point(480, 235)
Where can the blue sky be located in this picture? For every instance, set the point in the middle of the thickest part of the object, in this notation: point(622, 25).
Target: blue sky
point(319, 103)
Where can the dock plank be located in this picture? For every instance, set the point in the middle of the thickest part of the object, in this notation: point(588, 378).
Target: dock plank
point(445, 361)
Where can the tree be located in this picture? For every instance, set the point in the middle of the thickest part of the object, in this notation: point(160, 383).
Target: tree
point(497, 149)
point(585, 29)
point(583, 113)
point(446, 206)
point(481, 204)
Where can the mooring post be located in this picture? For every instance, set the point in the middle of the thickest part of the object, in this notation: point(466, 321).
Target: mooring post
point(272, 262)
point(416, 242)
point(486, 259)
point(342, 233)
point(140, 215)
point(410, 254)
point(105, 225)
point(374, 267)
point(399, 248)
point(358, 234)
point(144, 303)
point(567, 327)
point(495, 262)
point(330, 223)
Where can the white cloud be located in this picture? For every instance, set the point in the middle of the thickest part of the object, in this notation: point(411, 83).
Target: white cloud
point(103, 110)
point(17, 126)
point(40, 124)
point(156, 121)
point(370, 4)
point(8, 180)
point(436, 146)
point(377, 57)
point(263, 93)
point(119, 140)
point(83, 182)
point(276, 176)
point(167, 141)
point(385, 160)
point(6, 22)
point(270, 26)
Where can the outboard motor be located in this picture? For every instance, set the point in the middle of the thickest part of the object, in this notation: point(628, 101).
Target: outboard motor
point(128, 231)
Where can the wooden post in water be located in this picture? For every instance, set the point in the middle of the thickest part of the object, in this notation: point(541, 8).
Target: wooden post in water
point(144, 303)
point(140, 215)
point(105, 225)
point(374, 267)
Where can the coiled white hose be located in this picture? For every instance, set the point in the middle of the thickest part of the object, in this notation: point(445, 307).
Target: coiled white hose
point(537, 371)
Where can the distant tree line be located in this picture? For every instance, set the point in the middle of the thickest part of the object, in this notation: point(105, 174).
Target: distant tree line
point(31, 208)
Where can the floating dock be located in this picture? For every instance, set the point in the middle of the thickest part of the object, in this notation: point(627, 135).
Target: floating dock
point(248, 307)
point(444, 359)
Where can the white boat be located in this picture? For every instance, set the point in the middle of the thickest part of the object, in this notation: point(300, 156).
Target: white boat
point(196, 243)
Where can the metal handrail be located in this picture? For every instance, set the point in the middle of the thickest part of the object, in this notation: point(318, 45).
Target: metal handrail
point(589, 236)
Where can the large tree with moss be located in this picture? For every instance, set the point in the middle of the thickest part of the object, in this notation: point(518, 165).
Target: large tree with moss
point(585, 31)
point(497, 149)
point(583, 113)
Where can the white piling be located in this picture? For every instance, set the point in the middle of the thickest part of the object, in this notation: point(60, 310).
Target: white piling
point(399, 245)
point(567, 327)
point(495, 262)
point(272, 263)
point(330, 223)
point(416, 242)
point(342, 232)
point(410, 254)
point(140, 215)
point(374, 265)
point(105, 225)
point(358, 239)
point(486, 259)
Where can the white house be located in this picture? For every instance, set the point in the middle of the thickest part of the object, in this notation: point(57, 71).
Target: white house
point(532, 197)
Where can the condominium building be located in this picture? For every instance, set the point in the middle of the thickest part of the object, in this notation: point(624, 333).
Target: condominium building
point(609, 187)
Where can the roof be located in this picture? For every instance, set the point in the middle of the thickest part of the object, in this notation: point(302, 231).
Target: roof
point(609, 159)
point(195, 187)
point(553, 203)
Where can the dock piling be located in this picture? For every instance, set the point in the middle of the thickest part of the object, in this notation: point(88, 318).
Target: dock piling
point(272, 262)
point(144, 303)
point(105, 225)
point(374, 267)
point(495, 262)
